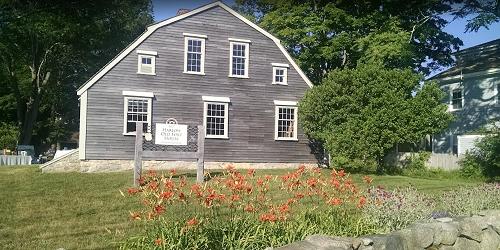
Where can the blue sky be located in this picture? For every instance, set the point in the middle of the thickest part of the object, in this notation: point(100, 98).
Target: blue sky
point(164, 9)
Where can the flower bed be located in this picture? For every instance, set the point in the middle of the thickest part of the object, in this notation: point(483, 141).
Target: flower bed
point(245, 211)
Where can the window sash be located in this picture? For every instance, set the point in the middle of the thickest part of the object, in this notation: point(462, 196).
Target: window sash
point(215, 119)
point(146, 64)
point(280, 75)
point(194, 56)
point(239, 56)
point(136, 110)
point(457, 99)
point(285, 123)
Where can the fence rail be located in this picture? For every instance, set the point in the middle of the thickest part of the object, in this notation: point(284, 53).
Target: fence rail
point(15, 160)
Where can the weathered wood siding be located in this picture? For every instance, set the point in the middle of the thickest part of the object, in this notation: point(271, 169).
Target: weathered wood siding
point(179, 95)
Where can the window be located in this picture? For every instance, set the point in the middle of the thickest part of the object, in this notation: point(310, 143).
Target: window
point(239, 59)
point(280, 73)
point(285, 121)
point(457, 99)
point(146, 62)
point(137, 109)
point(454, 144)
point(194, 55)
point(216, 119)
point(498, 94)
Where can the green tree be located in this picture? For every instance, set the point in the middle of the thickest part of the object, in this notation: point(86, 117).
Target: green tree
point(479, 13)
point(8, 136)
point(360, 114)
point(325, 35)
point(49, 48)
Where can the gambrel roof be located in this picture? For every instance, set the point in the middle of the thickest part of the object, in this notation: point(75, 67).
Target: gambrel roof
point(158, 25)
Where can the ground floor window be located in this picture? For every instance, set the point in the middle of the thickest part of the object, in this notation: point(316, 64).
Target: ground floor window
point(137, 110)
point(216, 119)
point(286, 123)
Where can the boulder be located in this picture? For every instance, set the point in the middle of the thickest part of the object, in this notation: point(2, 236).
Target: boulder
point(423, 235)
point(466, 244)
point(326, 242)
point(489, 240)
point(387, 242)
point(472, 227)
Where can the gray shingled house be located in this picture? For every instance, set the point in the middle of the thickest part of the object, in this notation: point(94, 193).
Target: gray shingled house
point(209, 66)
point(473, 90)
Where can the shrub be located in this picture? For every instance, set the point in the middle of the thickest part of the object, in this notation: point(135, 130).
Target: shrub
point(484, 159)
point(8, 136)
point(469, 200)
point(243, 211)
point(393, 210)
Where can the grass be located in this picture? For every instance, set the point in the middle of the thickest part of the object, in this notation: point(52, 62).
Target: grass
point(87, 211)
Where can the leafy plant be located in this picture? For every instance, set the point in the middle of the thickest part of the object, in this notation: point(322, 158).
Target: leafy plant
point(360, 114)
point(9, 135)
point(484, 159)
point(243, 211)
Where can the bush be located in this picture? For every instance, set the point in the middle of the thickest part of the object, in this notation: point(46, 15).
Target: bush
point(484, 159)
point(244, 211)
point(8, 136)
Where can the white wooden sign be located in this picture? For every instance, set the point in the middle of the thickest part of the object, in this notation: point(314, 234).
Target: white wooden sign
point(170, 134)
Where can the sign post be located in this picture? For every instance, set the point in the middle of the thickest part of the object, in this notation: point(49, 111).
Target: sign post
point(138, 153)
point(174, 140)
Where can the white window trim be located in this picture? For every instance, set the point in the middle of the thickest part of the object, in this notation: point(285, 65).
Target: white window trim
point(139, 63)
point(283, 65)
point(276, 116)
point(215, 99)
point(188, 36)
point(147, 52)
point(238, 40)
point(125, 110)
point(195, 35)
point(497, 94)
point(285, 103)
point(226, 116)
point(138, 94)
point(285, 75)
point(247, 57)
point(451, 98)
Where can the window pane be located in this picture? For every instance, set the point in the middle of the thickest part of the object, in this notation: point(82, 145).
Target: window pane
point(215, 116)
point(194, 55)
point(137, 111)
point(286, 121)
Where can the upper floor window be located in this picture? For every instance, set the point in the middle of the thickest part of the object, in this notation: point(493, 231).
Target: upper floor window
point(457, 98)
point(239, 50)
point(146, 62)
point(280, 72)
point(285, 120)
point(194, 53)
point(137, 109)
point(215, 118)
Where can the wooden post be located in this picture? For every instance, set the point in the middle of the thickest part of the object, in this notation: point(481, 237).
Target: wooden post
point(138, 153)
point(200, 171)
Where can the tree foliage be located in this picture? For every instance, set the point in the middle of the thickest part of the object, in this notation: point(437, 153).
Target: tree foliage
point(360, 114)
point(483, 12)
point(326, 35)
point(8, 136)
point(49, 48)
point(484, 159)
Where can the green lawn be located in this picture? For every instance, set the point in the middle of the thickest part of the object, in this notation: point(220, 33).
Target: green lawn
point(87, 211)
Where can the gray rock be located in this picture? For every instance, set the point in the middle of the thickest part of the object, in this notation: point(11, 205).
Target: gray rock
point(423, 235)
point(326, 242)
point(489, 240)
point(447, 248)
point(387, 242)
point(366, 241)
point(464, 243)
point(472, 227)
point(356, 243)
point(447, 235)
point(445, 219)
point(365, 248)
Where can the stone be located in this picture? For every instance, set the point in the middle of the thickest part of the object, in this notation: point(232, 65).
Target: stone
point(465, 244)
point(447, 235)
point(489, 240)
point(490, 213)
point(472, 227)
point(423, 235)
point(366, 241)
point(444, 247)
point(445, 219)
point(362, 247)
point(387, 242)
point(326, 242)
point(356, 243)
